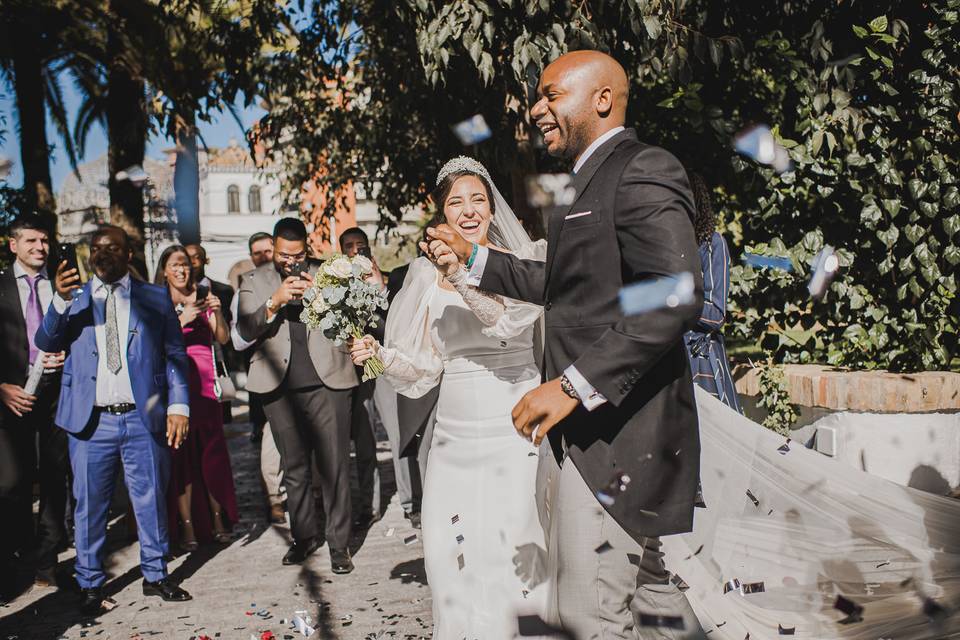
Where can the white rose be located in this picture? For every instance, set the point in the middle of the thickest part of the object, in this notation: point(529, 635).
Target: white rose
point(339, 268)
point(319, 305)
point(364, 263)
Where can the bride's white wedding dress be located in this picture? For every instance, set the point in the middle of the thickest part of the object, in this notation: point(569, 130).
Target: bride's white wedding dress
point(479, 508)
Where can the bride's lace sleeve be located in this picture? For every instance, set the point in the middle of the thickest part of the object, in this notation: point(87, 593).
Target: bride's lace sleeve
point(401, 368)
point(505, 318)
point(488, 307)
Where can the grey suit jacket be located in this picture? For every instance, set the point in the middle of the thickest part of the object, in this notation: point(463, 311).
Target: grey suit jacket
point(271, 355)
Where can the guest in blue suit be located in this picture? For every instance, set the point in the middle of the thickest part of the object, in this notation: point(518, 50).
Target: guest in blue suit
point(123, 400)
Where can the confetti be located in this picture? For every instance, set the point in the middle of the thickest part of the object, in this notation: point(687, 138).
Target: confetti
point(786, 631)
point(753, 587)
point(731, 585)
point(654, 620)
point(410, 540)
point(459, 539)
point(303, 625)
point(550, 190)
point(758, 143)
point(618, 484)
point(753, 498)
point(657, 293)
point(767, 262)
point(680, 583)
point(853, 610)
point(472, 130)
point(883, 564)
point(603, 548)
point(108, 604)
point(695, 553)
point(455, 519)
point(825, 267)
point(784, 449)
point(460, 562)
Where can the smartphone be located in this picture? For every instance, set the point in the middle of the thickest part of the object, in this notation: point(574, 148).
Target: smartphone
point(202, 292)
point(297, 268)
point(68, 251)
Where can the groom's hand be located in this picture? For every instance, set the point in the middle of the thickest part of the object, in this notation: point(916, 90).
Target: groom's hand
point(446, 235)
point(541, 409)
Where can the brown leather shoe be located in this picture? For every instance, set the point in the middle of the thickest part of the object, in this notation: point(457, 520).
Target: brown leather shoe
point(277, 515)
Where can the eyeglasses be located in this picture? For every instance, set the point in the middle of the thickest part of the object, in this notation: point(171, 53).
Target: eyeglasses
point(292, 257)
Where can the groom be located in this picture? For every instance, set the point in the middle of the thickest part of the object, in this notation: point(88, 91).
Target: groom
point(618, 397)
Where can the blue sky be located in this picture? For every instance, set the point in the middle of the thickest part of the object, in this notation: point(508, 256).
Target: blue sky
point(215, 134)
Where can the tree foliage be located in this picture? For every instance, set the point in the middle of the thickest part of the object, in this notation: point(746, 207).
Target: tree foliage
point(864, 96)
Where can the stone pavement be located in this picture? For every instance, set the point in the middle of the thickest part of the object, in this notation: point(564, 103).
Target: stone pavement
point(241, 590)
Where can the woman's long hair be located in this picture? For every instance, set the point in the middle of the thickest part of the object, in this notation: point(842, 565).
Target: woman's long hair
point(159, 277)
point(704, 219)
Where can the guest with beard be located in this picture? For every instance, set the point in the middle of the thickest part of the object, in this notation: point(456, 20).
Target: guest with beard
point(124, 401)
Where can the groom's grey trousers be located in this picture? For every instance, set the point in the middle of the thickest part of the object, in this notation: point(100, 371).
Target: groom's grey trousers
point(599, 592)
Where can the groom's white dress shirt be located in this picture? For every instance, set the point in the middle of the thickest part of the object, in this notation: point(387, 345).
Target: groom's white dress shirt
point(589, 396)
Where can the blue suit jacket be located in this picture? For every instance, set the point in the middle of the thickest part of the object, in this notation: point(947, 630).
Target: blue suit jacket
point(155, 354)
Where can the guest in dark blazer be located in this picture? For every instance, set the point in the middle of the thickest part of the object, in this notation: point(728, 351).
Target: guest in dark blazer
point(124, 400)
point(617, 399)
point(26, 419)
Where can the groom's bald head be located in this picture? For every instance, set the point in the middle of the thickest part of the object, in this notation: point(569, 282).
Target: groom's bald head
point(582, 95)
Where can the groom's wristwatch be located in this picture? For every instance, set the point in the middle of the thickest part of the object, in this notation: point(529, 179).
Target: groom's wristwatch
point(567, 387)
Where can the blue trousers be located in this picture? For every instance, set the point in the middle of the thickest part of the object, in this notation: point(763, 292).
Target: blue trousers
point(146, 468)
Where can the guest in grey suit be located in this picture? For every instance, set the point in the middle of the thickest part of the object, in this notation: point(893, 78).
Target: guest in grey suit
point(306, 383)
point(617, 397)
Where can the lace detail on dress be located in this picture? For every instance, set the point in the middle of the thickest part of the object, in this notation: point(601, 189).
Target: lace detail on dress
point(488, 307)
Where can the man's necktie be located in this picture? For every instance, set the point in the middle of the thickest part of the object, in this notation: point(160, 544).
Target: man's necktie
point(112, 335)
point(34, 315)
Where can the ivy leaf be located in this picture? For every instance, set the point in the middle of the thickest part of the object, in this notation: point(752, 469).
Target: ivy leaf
point(878, 24)
point(652, 25)
point(858, 30)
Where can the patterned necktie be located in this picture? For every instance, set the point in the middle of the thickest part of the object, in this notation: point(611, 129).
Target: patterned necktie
point(34, 315)
point(112, 335)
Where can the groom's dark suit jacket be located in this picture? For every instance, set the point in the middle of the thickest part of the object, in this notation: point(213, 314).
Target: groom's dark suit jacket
point(638, 227)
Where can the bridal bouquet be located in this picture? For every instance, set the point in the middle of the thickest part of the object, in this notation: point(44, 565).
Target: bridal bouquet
point(342, 303)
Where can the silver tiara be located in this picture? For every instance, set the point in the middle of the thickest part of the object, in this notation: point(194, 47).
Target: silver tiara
point(463, 163)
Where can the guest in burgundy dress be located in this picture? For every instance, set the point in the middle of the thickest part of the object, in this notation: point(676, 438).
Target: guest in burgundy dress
point(201, 493)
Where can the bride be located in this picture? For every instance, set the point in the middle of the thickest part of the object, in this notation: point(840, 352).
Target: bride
point(479, 509)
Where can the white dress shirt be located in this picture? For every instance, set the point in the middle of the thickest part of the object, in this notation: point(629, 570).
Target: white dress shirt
point(589, 396)
point(113, 388)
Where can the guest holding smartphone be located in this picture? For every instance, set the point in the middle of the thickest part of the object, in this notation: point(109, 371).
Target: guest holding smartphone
point(201, 489)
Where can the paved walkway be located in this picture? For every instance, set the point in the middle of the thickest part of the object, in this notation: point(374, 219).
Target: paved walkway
point(242, 590)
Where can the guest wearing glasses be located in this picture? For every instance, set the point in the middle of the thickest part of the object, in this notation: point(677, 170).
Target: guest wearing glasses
point(201, 485)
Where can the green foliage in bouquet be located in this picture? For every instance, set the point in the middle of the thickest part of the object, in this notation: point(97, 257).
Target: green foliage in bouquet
point(343, 303)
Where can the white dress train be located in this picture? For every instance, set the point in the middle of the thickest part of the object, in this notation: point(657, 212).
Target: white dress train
point(798, 530)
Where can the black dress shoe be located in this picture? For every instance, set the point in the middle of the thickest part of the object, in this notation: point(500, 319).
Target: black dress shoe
point(299, 551)
point(91, 601)
point(166, 590)
point(414, 518)
point(340, 561)
point(366, 520)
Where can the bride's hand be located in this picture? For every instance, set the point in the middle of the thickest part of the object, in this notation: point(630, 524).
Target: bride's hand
point(442, 250)
point(363, 349)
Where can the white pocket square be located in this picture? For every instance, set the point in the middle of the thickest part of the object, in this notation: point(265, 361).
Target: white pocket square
point(578, 215)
